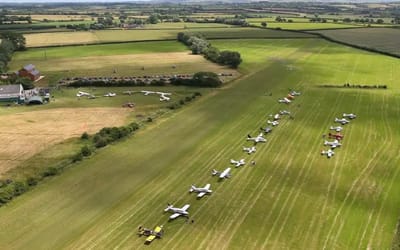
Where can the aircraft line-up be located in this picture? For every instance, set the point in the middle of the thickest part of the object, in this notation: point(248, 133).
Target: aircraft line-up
point(163, 95)
point(338, 136)
point(226, 173)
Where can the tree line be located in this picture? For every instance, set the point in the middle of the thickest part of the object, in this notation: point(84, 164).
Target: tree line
point(199, 45)
point(10, 42)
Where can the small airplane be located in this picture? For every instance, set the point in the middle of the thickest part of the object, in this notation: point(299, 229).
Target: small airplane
point(222, 175)
point(290, 97)
point(110, 94)
point(267, 130)
point(350, 116)
point(164, 98)
point(342, 121)
point(238, 163)
point(337, 128)
point(177, 211)
point(151, 234)
point(294, 93)
point(250, 150)
point(145, 92)
point(284, 112)
point(337, 136)
point(284, 100)
point(273, 123)
point(277, 117)
point(329, 153)
point(162, 93)
point(332, 144)
point(257, 139)
point(128, 92)
point(81, 93)
point(201, 191)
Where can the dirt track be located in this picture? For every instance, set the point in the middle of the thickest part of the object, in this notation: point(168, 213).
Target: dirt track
point(27, 133)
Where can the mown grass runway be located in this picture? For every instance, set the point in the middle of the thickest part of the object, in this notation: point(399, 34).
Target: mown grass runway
point(294, 198)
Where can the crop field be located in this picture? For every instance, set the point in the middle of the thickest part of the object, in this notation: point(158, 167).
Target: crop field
point(28, 133)
point(293, 198)
point(101, 36)
point(60, 17)
point(127, 59)
point(381, 39)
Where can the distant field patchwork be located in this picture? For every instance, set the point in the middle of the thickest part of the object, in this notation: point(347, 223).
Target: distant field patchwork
point(381, 39)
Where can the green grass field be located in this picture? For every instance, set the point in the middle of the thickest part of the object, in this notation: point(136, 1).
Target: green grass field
point(127, 59)
point(381, 39)
point(292, 199)
point(104, 36)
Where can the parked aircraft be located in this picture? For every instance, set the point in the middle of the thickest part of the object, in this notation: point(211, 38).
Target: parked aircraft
point(164, 98)
point(257, 139)
point(284, 112)
point(350, 116)
point(277, 117)
point(333, 144)
point(110, 94)
point(294, 93)
point(151, 234)
point(273, 123)
point(81, 93)
point(145, 92)
point(223, 174)
point(250, 150)
point(342, 121)
point(284, 100)
point(329, 153)
point(267, 130)
point(337, 128)
point(177, 211)
point(238, 163)
point(201, 190)
point(337, 136)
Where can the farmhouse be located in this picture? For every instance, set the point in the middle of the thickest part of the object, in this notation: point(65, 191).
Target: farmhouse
point(29, 71)
point(12, 93)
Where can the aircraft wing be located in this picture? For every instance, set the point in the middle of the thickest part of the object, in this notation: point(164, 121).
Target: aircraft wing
point(207, 186)
point(201, 194)
point(260, 135)
point(184, 208)
point(150, 238)
point(175, 215)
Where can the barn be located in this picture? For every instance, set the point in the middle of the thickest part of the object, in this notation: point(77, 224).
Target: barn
point(12, 93)
point(29, 71)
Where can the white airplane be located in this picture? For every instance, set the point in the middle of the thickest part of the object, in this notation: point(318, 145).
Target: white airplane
point(222, 175)
point(294, 93)
point(277, 117)
point(342, 121)
point(238, 163)
point(337, 128)
point(329, 153)
point(162, 93)
point(81, 93)
point(145, 92)
point(257, 139)
point(284, 112)
point(284, 100)
point(350, 116)
point(128, 92)
point(177, 211)
point(273, 123)
point(164, 98)
point(201, 191)
point(332, 144)
point(250, 150)
point(110, 94)
point(267, 130)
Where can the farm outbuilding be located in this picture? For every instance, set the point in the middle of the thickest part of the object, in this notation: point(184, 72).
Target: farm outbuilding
point(29, 71)
point(12, 93)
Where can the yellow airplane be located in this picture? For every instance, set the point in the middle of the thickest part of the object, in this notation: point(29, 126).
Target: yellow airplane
point(151, 234)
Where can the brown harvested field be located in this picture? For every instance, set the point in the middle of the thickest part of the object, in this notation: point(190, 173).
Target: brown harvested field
point(48, 39)
point(28, 133)
point(60, 17)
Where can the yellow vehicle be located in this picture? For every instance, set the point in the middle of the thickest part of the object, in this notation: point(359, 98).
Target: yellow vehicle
point(151, 234)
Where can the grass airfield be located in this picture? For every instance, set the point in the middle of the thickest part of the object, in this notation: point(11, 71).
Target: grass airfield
point(294, 198)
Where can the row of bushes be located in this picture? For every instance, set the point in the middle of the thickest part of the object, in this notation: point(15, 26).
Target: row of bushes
point(108, 135)
point(200, 79)
point(183, 101)
point(355, 86)
point(117, 83)
point(199, 45)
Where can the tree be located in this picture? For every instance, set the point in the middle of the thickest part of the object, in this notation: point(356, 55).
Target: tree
point(153, 19)
point(212, 54)
point(264, 24)
point(198, 45)
point(17, 39)
point(379, 21)
point(206, 79)
point(231, 58)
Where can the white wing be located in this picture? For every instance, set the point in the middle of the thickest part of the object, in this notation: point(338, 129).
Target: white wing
point(260, 135)
point(207, 186)
point(174, 216)
point(184, 208)
point(201, 194)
